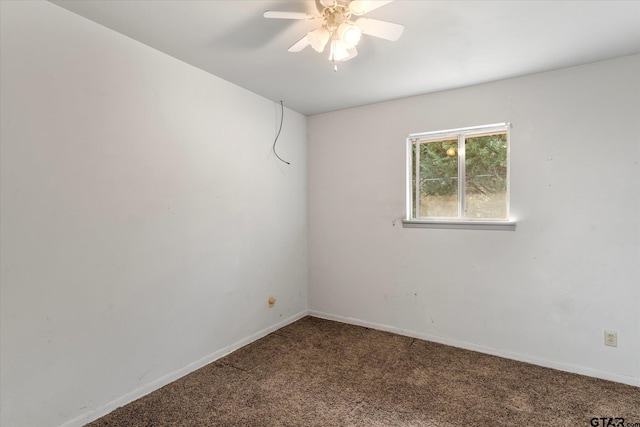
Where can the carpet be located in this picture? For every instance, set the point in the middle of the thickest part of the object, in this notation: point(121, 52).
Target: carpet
point(317, 372)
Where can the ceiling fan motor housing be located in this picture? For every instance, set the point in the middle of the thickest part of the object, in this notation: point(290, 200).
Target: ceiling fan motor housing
point(321, 4)
point(335, 16)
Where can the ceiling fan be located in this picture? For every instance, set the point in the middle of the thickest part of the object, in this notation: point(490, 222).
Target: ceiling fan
point(338, 29)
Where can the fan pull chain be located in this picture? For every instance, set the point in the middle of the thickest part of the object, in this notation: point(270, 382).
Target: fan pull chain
point(333, 52)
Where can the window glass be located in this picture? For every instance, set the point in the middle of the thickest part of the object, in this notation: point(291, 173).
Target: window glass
point(459, 174)
point(486, 176)
point(437, 174)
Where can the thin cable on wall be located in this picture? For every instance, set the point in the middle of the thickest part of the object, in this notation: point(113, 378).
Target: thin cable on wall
point(278, 134)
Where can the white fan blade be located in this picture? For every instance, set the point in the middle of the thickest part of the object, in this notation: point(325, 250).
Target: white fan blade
point(275, 14)
point(383, 29)
point(360, 7)
point(299, 45)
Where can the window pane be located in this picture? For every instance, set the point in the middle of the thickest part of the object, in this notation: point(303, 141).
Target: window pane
point(437, 179)
point(486, 176)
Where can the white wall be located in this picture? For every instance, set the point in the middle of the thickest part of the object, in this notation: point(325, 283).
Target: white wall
point(543, 293)
point(145, 220)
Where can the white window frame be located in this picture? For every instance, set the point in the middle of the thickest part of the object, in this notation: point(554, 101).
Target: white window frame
point(460, 222)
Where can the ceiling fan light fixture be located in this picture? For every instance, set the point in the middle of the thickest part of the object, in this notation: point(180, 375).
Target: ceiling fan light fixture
point(318, 38)
point(339, 51)
point(349, 33)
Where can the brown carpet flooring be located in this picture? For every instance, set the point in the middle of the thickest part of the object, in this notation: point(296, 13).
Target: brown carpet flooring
point(317, 372)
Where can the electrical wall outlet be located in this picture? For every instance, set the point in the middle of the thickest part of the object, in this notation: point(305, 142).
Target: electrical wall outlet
point(611, 338)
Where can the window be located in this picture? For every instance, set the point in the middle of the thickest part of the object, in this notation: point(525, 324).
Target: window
point(459, 177)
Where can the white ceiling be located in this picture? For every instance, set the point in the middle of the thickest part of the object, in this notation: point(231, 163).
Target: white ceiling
point(446, 44)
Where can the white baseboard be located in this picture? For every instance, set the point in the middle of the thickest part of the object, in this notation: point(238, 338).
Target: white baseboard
point(481, 349)
point(96, 413)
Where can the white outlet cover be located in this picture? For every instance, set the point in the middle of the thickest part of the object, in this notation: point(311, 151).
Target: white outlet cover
point(611, 338)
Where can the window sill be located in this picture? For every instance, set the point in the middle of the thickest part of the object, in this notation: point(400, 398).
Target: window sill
point(460, 225)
